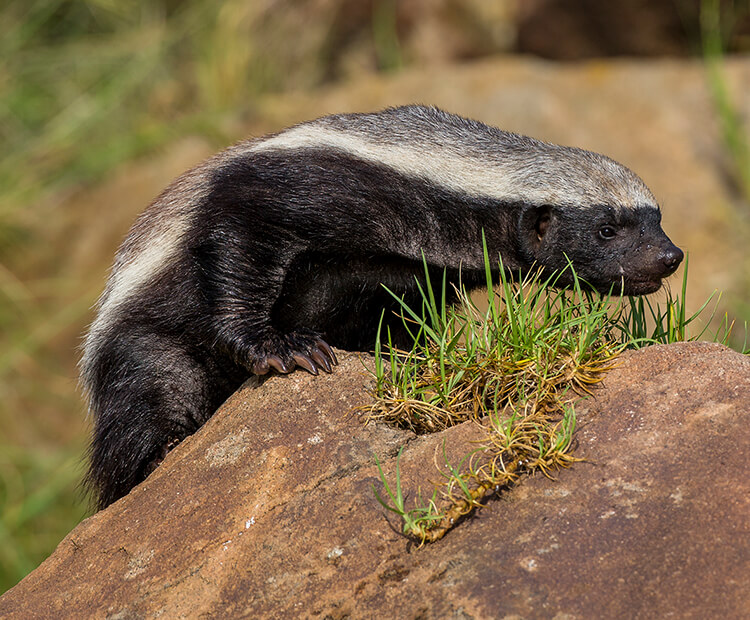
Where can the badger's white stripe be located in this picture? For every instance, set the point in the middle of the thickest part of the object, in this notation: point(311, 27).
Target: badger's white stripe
point(155, 256)
point(127, 278)
point(143, 256)
point(514, 178)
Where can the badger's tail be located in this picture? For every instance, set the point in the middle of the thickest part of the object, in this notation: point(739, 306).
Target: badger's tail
point(146, 394)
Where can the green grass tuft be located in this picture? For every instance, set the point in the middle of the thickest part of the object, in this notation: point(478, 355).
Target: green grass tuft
point(516, 368)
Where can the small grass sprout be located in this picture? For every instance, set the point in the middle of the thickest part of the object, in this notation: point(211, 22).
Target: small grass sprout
point(415, 521)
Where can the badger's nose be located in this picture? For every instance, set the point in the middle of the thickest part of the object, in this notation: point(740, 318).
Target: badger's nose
point(671, 258)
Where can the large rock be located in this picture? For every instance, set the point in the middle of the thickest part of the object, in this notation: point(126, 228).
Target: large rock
point(268, 512)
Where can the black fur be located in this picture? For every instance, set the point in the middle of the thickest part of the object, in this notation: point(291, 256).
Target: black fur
point(286, 253)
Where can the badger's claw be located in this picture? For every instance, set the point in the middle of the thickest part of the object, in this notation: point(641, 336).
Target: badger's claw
point(322, 344)
point(321, 360)
point(264, 364)
point(276, 362)
point(284, 353)
point(304, 361)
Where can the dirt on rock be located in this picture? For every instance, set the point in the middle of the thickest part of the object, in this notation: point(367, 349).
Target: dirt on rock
point(268, 511)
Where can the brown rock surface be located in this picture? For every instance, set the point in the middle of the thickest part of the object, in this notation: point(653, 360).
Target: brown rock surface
point(268, 512)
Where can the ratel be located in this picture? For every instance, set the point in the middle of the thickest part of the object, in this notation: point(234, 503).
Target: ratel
point(269, 252)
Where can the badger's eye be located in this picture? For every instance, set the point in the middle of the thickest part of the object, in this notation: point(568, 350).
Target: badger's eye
point(607, 232)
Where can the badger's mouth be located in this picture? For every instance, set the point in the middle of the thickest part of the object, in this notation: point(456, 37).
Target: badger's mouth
point(627, 286)
point(641, 287)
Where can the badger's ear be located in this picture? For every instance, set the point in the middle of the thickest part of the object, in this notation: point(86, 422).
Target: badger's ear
point(534, 224)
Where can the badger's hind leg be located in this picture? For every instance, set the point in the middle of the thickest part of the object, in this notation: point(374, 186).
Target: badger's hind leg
point(147, 393)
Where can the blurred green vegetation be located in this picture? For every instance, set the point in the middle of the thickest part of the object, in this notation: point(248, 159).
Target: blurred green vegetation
point(733, 133)
point(716, 20)
point(37, 495)
point(118, 77)
point(122, 77)
point(86, 85)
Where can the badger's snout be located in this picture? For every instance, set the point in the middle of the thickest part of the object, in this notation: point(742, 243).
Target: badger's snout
point(671, 257)
point(645, 274)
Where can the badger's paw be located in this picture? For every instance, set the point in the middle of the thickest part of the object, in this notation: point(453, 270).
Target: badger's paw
point(285, 352)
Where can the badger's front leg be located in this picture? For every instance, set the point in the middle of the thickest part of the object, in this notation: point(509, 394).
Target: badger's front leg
point(257, 345)
point(242, 289)
point(284, 352)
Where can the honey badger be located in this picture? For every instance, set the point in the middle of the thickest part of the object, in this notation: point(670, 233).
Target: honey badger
point(269, 252)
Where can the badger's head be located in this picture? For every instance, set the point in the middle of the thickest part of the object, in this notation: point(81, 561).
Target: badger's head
point(603, 218)
point(623, 249)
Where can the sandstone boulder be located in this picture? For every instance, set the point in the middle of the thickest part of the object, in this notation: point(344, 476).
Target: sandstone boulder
point(268, 512)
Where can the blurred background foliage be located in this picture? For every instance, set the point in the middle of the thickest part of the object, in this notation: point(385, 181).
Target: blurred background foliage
point(88, 85)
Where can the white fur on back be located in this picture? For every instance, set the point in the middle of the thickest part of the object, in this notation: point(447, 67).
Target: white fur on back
point(152, 245)
point(544, 174)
